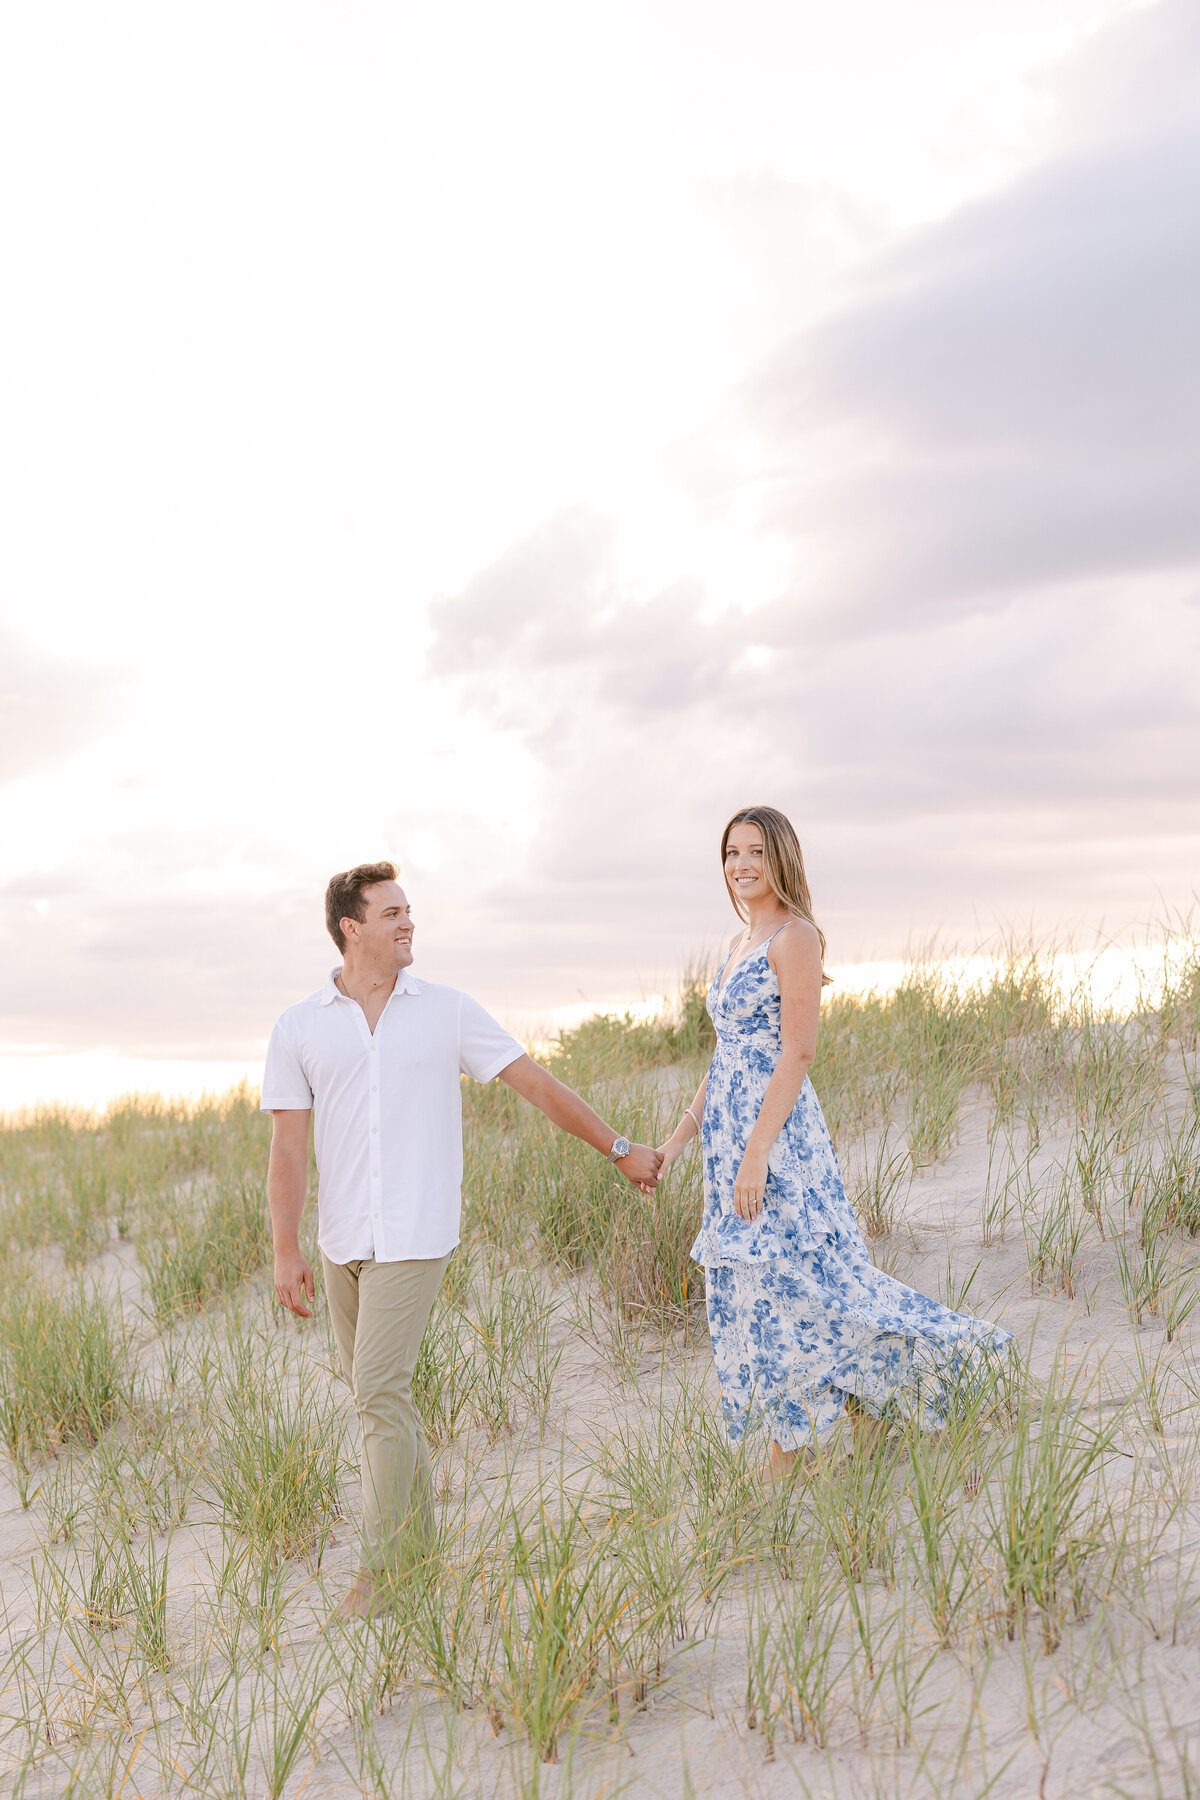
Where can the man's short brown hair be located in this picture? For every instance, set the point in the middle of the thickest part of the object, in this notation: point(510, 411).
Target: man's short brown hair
point(344, 896)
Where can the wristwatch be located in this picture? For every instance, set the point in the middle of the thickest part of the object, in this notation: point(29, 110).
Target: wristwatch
point(620, 1147)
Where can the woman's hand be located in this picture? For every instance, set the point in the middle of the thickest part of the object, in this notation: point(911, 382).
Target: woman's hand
point(670, 1152)
point(750, 1186)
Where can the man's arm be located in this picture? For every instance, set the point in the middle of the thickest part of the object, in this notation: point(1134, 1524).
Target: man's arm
point(287, 1182)
point(564, 1108)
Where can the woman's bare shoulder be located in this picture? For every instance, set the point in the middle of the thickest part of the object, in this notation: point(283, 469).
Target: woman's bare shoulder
point(797, 942)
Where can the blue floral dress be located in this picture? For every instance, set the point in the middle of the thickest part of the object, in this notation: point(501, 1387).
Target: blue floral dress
point(799, 1315)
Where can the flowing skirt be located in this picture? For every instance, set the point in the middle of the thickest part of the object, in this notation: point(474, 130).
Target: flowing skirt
point(794, 1336)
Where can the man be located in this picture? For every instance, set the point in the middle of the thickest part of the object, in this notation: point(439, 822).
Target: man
point(376, 1056)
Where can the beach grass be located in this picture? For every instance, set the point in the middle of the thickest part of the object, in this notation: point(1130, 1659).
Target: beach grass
point(617, 1601)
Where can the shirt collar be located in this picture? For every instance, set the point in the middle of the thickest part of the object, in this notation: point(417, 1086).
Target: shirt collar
point(406, 983)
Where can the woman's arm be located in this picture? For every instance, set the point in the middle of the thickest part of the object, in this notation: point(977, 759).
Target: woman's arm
point(795, 956)
point(687, 1128)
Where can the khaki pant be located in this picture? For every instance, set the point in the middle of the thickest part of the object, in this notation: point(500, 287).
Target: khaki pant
point(379, 1313)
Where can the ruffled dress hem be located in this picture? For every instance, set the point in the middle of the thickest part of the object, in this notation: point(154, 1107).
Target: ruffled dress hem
point(934, 1382)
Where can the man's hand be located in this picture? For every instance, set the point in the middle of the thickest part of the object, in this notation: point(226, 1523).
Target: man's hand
point(293, 1282)
point(641, 1167)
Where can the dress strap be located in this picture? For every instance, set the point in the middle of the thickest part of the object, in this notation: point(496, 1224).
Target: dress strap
point(774, 934)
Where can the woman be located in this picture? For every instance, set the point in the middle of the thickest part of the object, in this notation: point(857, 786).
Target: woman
point(803, 1325)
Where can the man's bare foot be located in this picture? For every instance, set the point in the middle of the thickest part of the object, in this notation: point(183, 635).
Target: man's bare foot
point(355, 1603)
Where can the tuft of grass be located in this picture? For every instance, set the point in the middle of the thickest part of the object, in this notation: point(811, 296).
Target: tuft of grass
point(1147, 1269)
point(275, 1464)
point(1054, 1235)
point(65, 1369)
point(446, 1377)
point(942, 1535)
point(286, 1720)
point(487, 1348)
point(514, 1355)
point(121, 1588)
point(1049, 1523)
point(854, 1508)
point(811, 1654)
point(646, 1269)
point(554, 1614)
point(876, 1180)
point(204, 1252)
point(1173, 1195)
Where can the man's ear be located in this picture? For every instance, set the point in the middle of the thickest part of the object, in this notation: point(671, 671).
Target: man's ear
point(349, 929)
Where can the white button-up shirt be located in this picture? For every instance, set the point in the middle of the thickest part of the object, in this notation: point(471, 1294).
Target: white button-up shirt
point(388, 1111)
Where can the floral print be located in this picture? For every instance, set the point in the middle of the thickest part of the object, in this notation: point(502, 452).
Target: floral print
point(799, 1315)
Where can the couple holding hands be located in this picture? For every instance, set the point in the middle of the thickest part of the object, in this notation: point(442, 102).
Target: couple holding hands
point(803, 1325)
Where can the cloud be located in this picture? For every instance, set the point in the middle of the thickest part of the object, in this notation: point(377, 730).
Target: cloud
point(151, 973)
point(1013, 400)
point(980, 695)
point(48, 708)
point(1033, 760)
point(976, 696)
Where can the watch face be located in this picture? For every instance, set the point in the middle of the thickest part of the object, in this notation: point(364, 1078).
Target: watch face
point(620, 1148)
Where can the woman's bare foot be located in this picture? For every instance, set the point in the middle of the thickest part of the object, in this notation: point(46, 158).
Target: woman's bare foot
point(781, 1464)
point(869, 1432)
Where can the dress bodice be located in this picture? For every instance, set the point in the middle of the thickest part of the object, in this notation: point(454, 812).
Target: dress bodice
point(747, 1009)
point(804, 1199)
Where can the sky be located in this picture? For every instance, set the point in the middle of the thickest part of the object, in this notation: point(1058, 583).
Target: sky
point(509, 439)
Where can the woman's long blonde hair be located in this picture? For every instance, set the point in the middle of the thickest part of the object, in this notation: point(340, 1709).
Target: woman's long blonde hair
point(783, 865)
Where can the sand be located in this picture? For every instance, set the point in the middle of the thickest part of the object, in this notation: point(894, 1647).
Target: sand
point(1113, 1710)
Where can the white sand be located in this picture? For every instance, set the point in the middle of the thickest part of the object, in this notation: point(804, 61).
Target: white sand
point(1113, 1711)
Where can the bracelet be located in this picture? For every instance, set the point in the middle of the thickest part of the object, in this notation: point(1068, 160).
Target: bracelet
point(695, 1121)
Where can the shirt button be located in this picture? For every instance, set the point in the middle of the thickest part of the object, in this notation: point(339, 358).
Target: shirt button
point(374, 1130)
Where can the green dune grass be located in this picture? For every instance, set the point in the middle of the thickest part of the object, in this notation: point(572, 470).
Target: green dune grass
point(616, 1601)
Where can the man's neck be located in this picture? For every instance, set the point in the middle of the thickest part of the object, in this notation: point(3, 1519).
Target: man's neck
point(359, 983)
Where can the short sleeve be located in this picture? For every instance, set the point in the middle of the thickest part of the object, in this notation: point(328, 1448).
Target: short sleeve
point(484, 1047)
point(285, 1085)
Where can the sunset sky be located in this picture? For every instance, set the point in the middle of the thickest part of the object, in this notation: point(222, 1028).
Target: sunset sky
point(508, 438)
